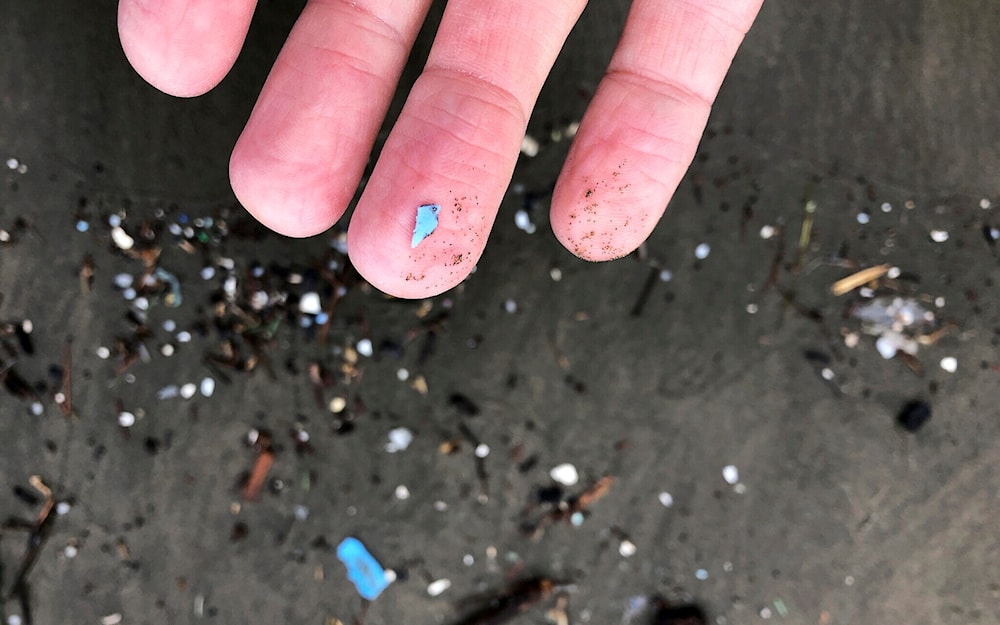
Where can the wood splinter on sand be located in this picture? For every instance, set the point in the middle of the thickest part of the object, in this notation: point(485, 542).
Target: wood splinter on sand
point(853, 281)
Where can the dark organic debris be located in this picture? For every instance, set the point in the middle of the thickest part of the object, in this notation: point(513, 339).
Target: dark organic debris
point(514, 600)
point(666, 613)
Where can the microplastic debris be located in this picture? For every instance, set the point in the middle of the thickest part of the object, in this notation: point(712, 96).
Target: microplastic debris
point(886, 347)
point(310, 304)
point(441, 506)
point(565, 474)
point(482, 450)
point(403, 374)
point(510, 306)
point(863, 218)
point(779, 605)
point(126, 419)
point(365, 347)
point(122, 238)
point(427, 221)
point(82, 225)
point(114, 220)
point(12, 163)
point(886, 207)
point(577, 519)
point(183, 336)
point(207, 272)
point(731, 474)
point(702, 251)
point(765, 613)
point(70, 551)
point(207, 387)
point(188, 390)
point(949, 364)
point(666, 275)
point(111, 619)
point(123, 280)
point(63, 508)
point(666, 499)
point(701, 574)
point(363, 569)
point(523, 221)
point(129, 294)
point(438, 586)
point(103, 352)
point(914, 415)
point(167, 350)
point(168, 392)
point(402, 492)
point(173, 298)
point(301, 512)
point(626, 548)
point(468, 559)
point(399, 440)
point(767, 231)
point(14, 619)
point(939, 236)
point(529, 146)
point(556, 274)
point(337, 405)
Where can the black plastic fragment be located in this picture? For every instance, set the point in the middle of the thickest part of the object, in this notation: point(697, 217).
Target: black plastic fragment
point(914, 415)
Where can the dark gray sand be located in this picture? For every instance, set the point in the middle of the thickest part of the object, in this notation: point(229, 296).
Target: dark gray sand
point(883, 114)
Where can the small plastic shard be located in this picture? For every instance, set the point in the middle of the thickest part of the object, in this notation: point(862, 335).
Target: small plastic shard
point(427, 222)
point(363, 569)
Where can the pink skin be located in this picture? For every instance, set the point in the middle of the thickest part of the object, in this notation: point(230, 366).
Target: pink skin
point(302, 154)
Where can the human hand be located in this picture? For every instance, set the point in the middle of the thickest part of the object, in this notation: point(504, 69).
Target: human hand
point(303, 152)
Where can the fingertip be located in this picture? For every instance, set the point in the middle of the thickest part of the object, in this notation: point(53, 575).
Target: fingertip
point(282, 196)
point(380, 246)
point(182, 54)
point(603, 211)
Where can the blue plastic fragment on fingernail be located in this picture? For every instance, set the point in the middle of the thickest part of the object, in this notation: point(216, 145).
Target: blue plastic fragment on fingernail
point(363, 569)
point(427, 221)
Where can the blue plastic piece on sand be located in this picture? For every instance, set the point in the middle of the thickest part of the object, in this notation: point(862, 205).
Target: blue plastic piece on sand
point(362, 568)
point(427, 221)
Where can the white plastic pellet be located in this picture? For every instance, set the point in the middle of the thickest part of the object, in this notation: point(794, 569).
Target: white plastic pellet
point(438, 586)
point(949, 364)
point(731, 474)
point(566, 474)
point(207, 386)
point(365, 347)
point(188, 390)
point(626, 548)
point(122, 238)
point(939, 236)
point(310, 303)
point(399, 440)
point(702, 251)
